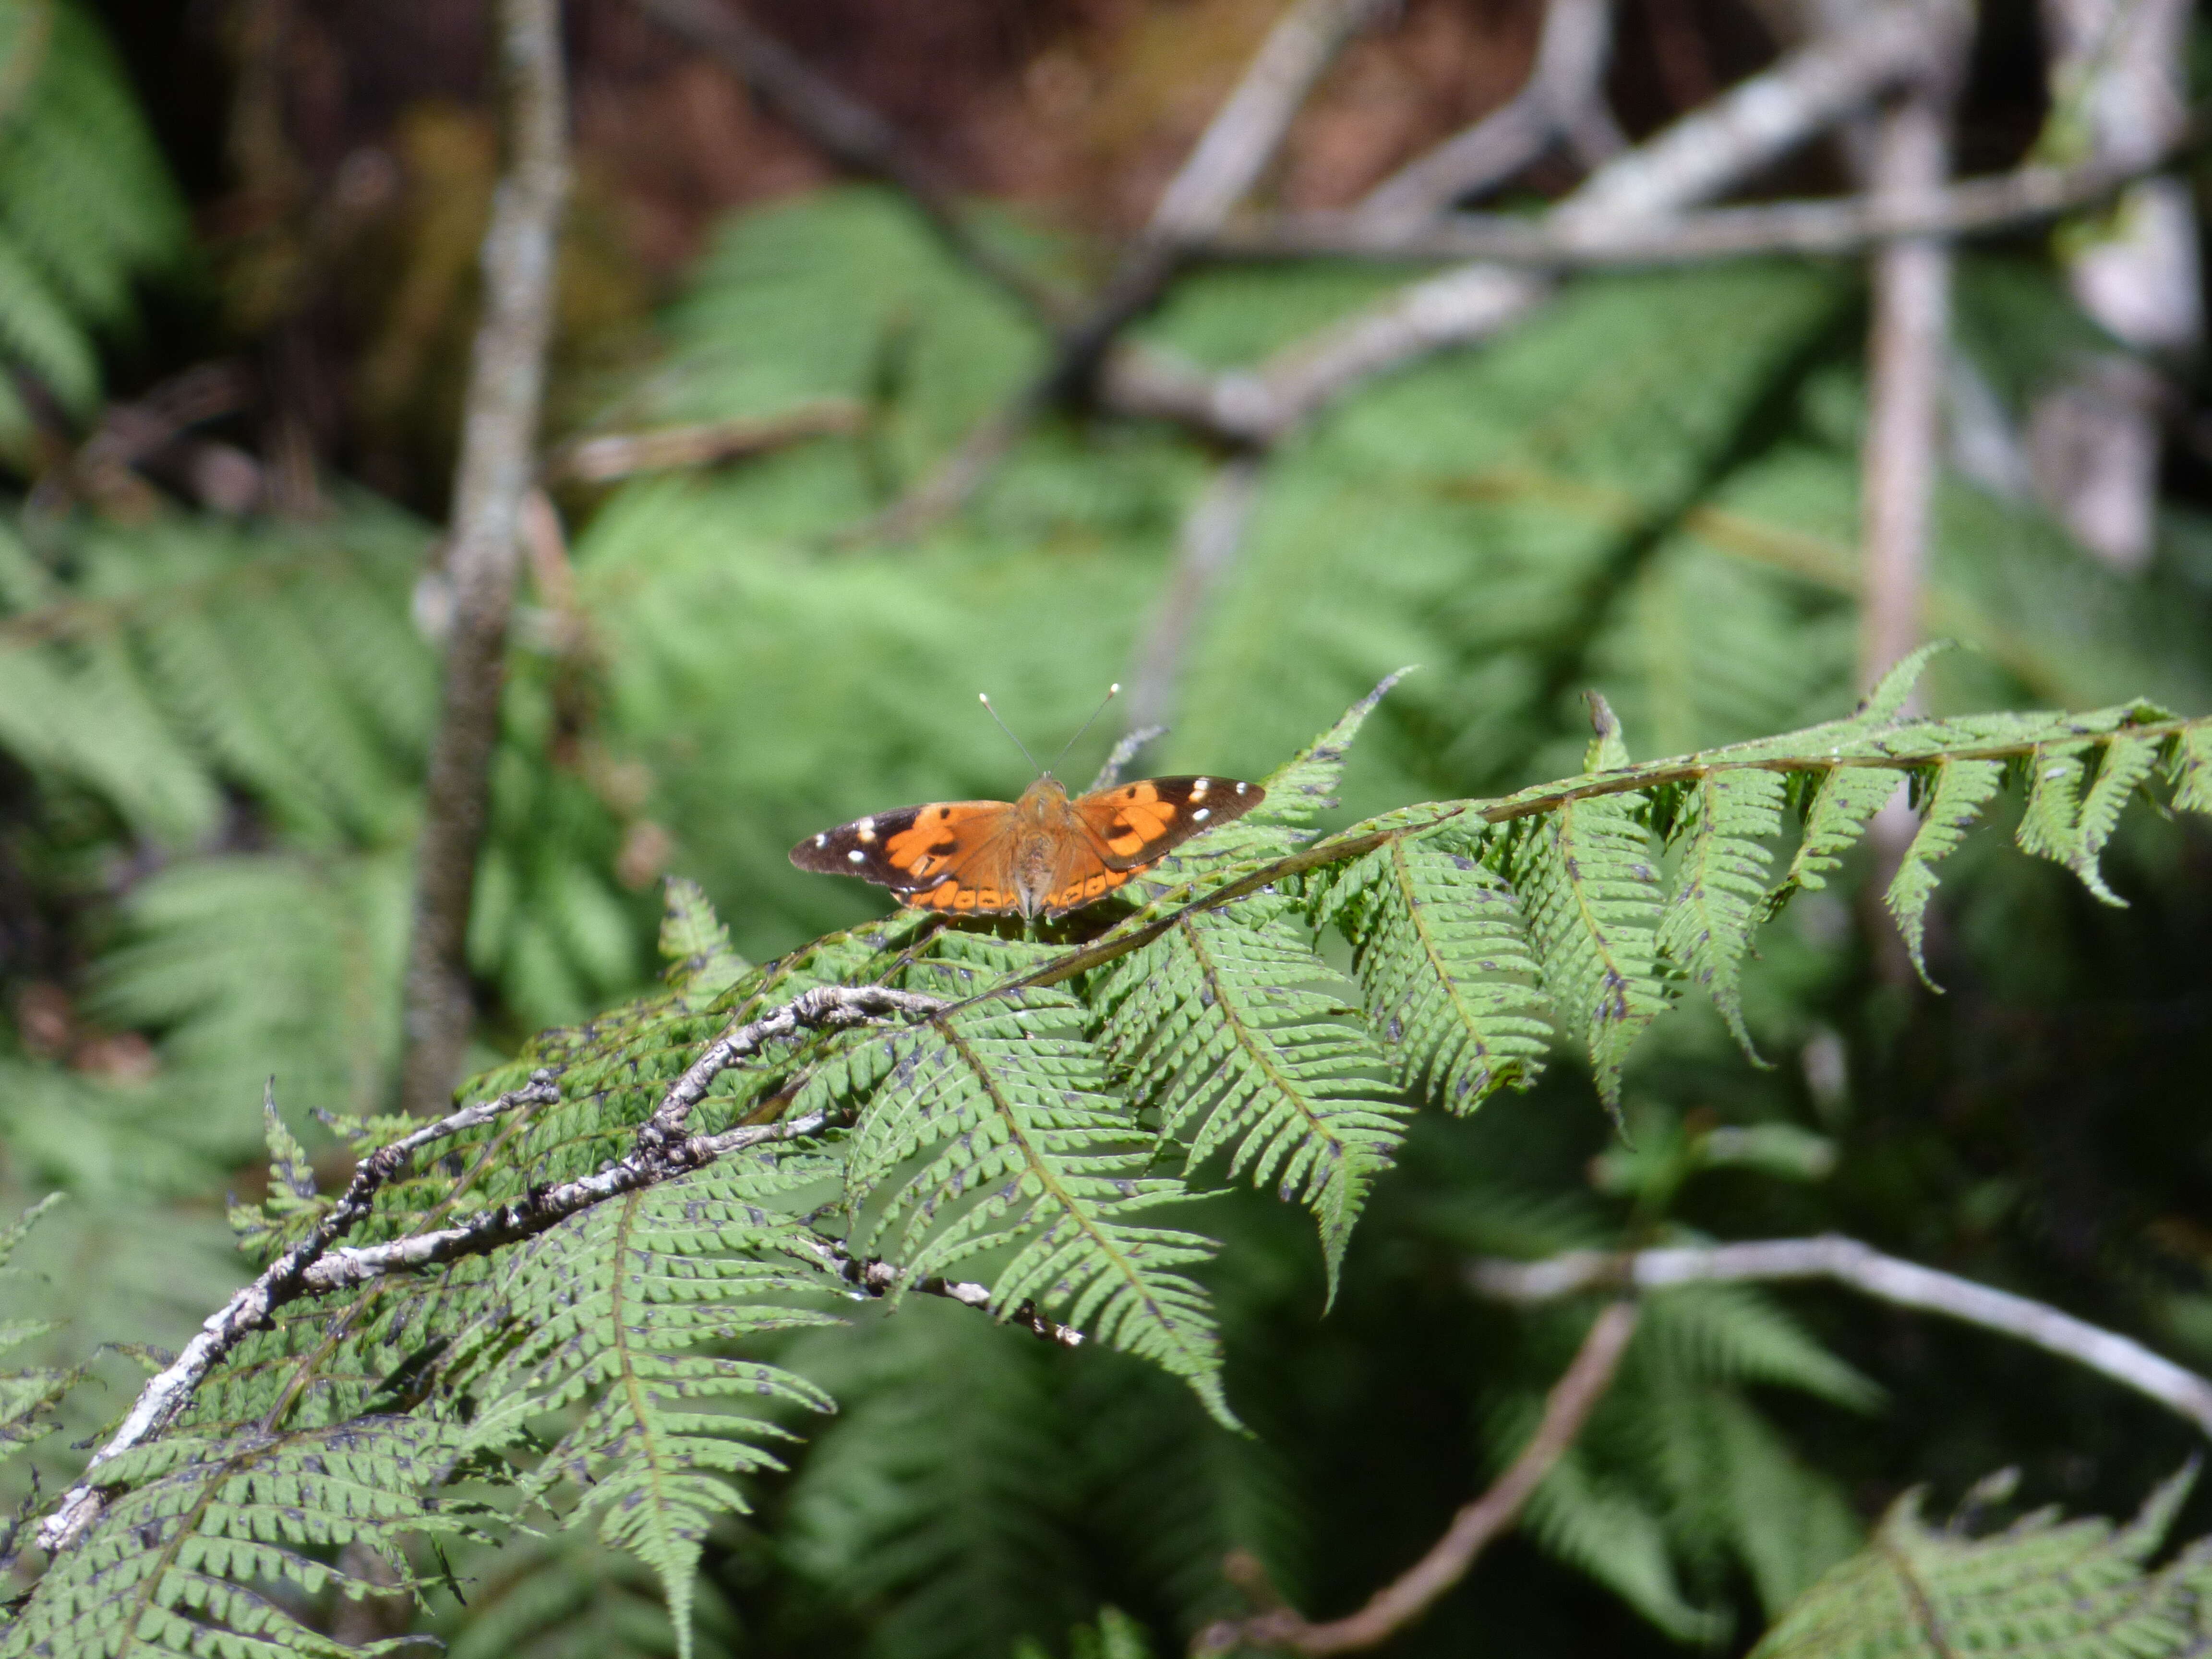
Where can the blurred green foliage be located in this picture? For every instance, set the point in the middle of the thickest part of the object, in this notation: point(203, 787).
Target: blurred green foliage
point(211, 733)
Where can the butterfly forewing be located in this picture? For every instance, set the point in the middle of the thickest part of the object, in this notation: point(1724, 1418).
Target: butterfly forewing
point(1137, 823)
point(908, 848)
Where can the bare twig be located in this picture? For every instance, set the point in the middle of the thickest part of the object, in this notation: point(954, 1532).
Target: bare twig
point(1906, 352)
point(1563, 98)
point(2001, 204)
point(1698, 157)
point(851, 134)
point(285, 1278)
point(1864, 1269)
point(506, 376)
point(821, 1009)
point(879, 1278)
point(1211, 531)
point(612, 455)
point(1566, 1409)
point(1227, 162)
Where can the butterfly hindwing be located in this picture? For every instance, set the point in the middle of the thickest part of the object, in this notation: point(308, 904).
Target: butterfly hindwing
point(1136, 824)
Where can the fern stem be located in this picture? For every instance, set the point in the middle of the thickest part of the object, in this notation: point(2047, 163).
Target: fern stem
point(1864, 1269)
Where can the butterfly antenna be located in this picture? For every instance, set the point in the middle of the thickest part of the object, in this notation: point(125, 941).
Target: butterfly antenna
point(1112, 692)
point(984, 698)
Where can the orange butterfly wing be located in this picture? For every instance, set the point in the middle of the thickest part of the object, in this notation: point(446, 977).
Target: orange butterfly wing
point(1128, 829)
point(944, 855)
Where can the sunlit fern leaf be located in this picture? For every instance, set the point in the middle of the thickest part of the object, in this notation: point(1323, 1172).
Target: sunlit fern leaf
point(696, 945)
point(1445, 969)
point(1955, 796)
point(1844, 799)
point(1885, 704)
point(2043, 1588)
point(618, 1315)
point(204, 1541)
point(1720, 886)
point(990, 1129)
point(1228, 1024)
point(2192, 770)
point(1592, 900)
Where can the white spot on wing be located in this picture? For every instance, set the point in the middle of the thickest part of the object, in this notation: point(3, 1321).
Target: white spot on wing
point(1240, 789)
point(866, 829)
point(1202, 814)
point(1198, 790)
point(856, 856)
point(822, 840)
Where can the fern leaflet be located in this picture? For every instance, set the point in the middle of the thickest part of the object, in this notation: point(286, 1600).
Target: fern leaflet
point(1441, 954)
point(2041, 1589)
point(1960, 789)
point(616, 1312)
point(991, 1127)
point(1721, 885)
point(1222, 1022)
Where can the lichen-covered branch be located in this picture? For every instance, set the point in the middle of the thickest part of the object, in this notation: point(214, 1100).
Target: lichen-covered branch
point(283, 1280)
point(498, 436)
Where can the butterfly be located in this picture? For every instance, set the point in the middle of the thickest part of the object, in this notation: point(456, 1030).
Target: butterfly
point(1042, 855)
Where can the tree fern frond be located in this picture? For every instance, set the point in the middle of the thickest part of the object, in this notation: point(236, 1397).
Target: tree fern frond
point(1593, 903)
point(615, 1314)
point(565, 1596)
point(1003, 1108)
point(1441, 954)
point(2043, 1586)
point(2068, 824)
point(1225, 1022)
point(1720, 886)
point(199, 1532)
point(1958, 792)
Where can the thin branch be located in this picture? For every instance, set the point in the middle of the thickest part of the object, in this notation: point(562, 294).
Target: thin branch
point(1213, 531)
point(1906, 348)
point(1398, 1604)
point(1997, 205)
point(612, 455)
point(284, 1280)
point(1564, 96)
point(1705, 153)
point(1228, 159)
point(879, 1278)
point(825, 1008)
point(1864, 1269)
point(851, 134)
point(507, 375)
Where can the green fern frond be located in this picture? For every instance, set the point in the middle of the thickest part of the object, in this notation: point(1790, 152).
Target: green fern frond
point(990, 1129)
point(1956, 795)
point(615, 1314)
point(1225, 1022)
point(2068, 824)
point(1720, 886)
point(1445, 965)
point(1584, 874)
point(200, 1536)
point(2043, 1586)
point(565, 1596)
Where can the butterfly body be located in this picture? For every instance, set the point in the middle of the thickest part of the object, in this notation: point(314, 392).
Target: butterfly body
point(1042, 855)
